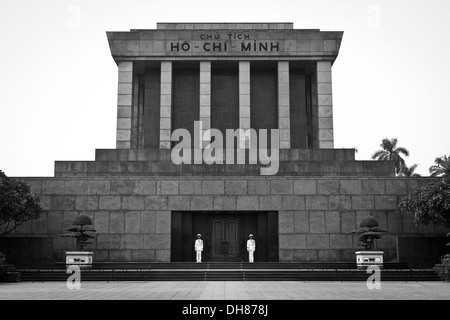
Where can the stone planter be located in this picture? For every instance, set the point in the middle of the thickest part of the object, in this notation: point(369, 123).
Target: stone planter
point(8, 273)
point(79, 258)
point(369, 258)
point(443, 271)
point(11, 276)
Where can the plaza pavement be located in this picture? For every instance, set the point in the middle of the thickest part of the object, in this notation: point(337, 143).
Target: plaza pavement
point(225, 290)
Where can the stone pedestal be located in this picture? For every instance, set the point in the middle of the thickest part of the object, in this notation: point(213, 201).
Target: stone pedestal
point(369, 258)
point(79, 258)
point(443, 271)
point(8, 273)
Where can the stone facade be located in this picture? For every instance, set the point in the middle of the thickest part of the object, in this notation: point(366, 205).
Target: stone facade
point(133, 215)
point(157, 162)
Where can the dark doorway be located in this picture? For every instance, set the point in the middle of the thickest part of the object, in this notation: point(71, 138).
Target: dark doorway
point(224, 235)
point(225, 238)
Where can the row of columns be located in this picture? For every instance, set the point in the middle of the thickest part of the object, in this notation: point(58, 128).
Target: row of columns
point(324, 101)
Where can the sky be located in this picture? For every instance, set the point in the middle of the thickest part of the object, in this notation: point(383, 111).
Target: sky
point(58, 81)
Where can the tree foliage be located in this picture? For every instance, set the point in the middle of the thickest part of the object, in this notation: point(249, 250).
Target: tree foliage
point(17, 204)
point(429, 203)
point(369, 231)
point(390, 152)
point(80, 233)
point(442, 167)
point(409, 171)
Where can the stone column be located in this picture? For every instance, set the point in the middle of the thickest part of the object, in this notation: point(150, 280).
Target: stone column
point(284, 122)
point(135, 113)
point(124, 105)
point(165, 122)
point(205, 98)
point(325, 105)
point(244, 95)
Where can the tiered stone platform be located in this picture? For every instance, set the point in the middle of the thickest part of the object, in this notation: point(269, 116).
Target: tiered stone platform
point(157, 162)
point(132, 209)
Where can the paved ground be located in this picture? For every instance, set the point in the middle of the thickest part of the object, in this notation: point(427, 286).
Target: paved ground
point(225, 290)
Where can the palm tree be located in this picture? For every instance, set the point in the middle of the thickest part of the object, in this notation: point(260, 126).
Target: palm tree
point(442, 167)
point(391, 152)
point(409, 171)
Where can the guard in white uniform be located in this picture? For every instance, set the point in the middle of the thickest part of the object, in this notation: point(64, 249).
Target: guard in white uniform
point(251, 247)
point(199, 247)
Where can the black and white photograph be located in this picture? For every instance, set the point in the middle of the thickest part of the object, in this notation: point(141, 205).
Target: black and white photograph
point(225, 159)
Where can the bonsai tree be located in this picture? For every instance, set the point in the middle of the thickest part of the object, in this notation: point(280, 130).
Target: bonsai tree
point(370, 231)
point(80, 233)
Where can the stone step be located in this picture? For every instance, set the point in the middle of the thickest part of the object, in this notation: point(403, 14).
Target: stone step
point(231, 271)
point(165, 154)
point(231, 275)
point(167, 168)
point(219, 265)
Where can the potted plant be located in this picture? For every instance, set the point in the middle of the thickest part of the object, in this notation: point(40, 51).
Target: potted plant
point(369, 231)
point(84, 236)
point(8, 272)
point(443, 268)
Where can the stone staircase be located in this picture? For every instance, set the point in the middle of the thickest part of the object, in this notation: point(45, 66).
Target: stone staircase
point(227, 272)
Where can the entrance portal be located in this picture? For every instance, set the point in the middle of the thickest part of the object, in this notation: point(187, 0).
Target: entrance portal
point(224, 238)
point(225, 235)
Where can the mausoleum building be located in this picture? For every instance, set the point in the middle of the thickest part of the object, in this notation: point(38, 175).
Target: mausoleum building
point(202, 76)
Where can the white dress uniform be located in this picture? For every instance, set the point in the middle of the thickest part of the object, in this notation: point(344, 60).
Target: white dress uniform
point(199, 249)
point(251, 247)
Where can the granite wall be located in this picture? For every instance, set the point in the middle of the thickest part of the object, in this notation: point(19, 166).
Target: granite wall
point(132, 215)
